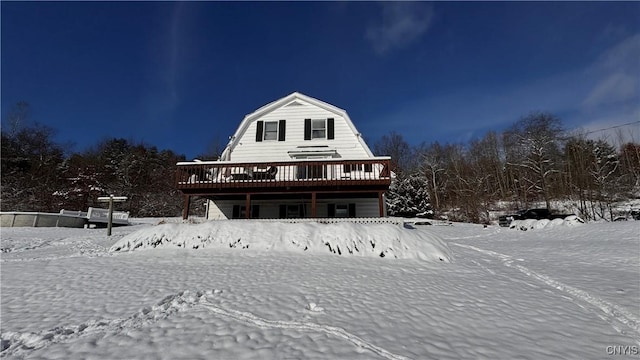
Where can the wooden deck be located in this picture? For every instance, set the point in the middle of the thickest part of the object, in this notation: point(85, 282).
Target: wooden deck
point(333, 175)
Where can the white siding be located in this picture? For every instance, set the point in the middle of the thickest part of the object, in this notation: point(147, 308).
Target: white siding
point(247, 149)
point(215, 213)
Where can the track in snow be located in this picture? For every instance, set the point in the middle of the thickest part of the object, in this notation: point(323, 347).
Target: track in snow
point(250, 319)
point(612, 313)
point(21, 344)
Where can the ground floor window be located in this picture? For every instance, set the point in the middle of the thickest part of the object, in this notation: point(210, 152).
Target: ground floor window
point(341, 210)
point(292, 211)
point(240, 212)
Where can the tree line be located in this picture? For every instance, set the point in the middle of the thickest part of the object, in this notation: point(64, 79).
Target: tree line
point(534, 161)
point(37, 174)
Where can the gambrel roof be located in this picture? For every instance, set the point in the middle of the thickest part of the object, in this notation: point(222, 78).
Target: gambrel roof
point(292, 99)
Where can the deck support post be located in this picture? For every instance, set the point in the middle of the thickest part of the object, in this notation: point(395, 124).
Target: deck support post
point(381, 203)
point(185, 209)
point(247, 207)
point(313, 205)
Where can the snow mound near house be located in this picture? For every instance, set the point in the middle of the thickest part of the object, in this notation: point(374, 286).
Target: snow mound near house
point(370, 240)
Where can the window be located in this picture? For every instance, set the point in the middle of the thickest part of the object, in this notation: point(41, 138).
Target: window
point(240, 212)
point(318, 129)
point(270, 130)
point(342, 210)
point(292, 211)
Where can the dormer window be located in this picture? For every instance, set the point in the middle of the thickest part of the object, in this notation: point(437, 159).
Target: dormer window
point(318, 129)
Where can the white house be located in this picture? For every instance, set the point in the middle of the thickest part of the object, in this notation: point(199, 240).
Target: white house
point(295, 157)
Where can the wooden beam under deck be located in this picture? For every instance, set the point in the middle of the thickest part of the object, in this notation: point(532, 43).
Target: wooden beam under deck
point(186, 205)
point(247, 207)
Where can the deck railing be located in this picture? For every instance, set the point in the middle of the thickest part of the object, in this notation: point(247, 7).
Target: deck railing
point(331, 172)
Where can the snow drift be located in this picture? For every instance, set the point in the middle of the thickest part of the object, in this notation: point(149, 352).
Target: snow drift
point(532, 224)
point(378, 240)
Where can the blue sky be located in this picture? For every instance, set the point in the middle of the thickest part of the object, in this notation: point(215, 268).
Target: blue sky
point(181, 75)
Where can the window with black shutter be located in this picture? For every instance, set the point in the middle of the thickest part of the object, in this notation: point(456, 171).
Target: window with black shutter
point(318, 129)
point(282, 126)
point(270, 130)
point(259, 130)
point(330, 129)
point(307, 129)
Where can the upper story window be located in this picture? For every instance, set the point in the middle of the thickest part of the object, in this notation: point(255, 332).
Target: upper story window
point(270, 130)
point(318, 129)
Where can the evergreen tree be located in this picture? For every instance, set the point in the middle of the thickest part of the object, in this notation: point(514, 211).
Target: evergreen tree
point(408, 196)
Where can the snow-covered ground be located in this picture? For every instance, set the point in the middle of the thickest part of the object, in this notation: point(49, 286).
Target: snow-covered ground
point(570, 292)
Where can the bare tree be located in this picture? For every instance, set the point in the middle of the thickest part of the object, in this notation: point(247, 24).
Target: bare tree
point(433, 166)
point(17, 117)
point(536, 139)
point(213, 151)
point(394, 145)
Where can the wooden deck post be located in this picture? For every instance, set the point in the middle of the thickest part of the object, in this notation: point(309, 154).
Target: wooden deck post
point(247, 207)
point(313, 205)
point(185, 209)
point(381, 203)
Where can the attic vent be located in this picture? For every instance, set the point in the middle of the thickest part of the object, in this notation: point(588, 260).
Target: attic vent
point(294, 103)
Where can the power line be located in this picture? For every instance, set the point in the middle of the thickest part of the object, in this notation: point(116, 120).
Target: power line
point(612, 127)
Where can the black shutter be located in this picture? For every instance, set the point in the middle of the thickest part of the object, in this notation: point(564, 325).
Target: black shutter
point(283, 211)
point(236, 212)
point(331, 210)
point(330, 129)
point(368, 167)
point(352, 210)
point(346, 168)
point(307, 129)
point(259, 130)
point(282, 126)
point(255, 211)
